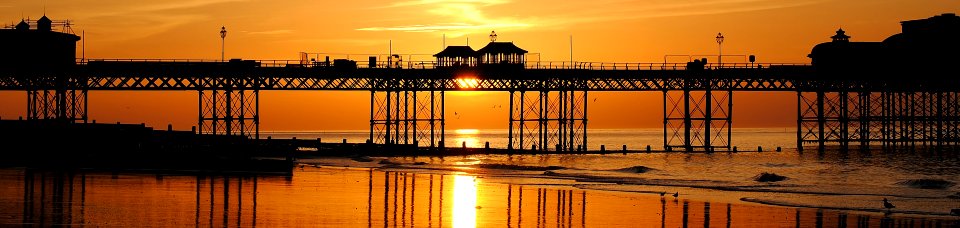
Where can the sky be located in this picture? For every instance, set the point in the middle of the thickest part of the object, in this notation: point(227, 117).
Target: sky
point(776, 31)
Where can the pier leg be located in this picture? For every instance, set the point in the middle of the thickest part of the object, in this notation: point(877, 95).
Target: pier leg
point(544, 120)
point(412, 116)
point(698, 120)
point(64, 105)
point(229, 112)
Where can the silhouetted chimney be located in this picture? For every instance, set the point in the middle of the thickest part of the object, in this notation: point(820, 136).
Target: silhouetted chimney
point(44, 24)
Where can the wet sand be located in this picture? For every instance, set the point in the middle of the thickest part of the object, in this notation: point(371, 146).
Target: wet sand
point(361, 197)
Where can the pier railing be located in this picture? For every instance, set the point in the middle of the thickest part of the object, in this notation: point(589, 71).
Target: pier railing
point(536, 65)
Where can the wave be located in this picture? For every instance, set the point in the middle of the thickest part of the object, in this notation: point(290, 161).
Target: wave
point(362, 159)
point(954, 196)
point(788, 204)
point(635, 169)
point(927, 183)
point(769, 177)
point(720, 185)
point(518, 167)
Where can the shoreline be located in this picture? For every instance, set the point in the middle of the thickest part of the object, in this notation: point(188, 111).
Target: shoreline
point(381, 196)
point(765, 196)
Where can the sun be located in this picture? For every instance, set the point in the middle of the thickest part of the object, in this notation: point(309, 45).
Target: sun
point(467, 83)
point(467, 131)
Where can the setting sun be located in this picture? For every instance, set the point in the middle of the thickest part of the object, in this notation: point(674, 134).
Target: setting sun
point(468, 82)
point(467, 131)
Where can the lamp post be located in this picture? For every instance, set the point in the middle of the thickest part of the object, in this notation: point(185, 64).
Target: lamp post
point(223, 39)
point(720, 46)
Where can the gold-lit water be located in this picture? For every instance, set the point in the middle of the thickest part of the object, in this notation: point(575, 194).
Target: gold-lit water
point(341, 197)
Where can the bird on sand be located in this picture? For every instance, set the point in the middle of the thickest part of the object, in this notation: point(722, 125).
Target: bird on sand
point(676, 194)
point(887, 204)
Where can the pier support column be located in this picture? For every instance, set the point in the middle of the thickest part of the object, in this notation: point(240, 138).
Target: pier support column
point(820, 118)
point(407, 113)
point(228, 108)
point(66, 105)
point(549, 120)
point(697, 120)
point(56, 102)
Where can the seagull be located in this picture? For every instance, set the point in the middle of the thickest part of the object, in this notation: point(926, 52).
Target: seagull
point(662, 193)
point(887, 204)
point(676, 194)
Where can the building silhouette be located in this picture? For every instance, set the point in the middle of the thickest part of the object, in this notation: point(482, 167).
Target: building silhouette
point(494, 56)
point(457, 56)
point(924, 46)
point(34, 45)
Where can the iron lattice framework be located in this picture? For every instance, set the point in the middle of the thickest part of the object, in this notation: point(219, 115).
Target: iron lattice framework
point(67, 105)
point(545, 120)
point(227, 111)
point(407, 113)
point(291, 78)
point(57, 98)
point(546, 103)
point(893, 119)
point(697, 120)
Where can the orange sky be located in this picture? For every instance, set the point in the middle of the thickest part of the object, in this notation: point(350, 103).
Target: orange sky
point(603, 30)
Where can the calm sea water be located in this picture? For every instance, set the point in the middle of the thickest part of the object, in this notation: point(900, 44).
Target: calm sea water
point(830, 189)
point(920, 183)
point(634, 139)
point(352, 197)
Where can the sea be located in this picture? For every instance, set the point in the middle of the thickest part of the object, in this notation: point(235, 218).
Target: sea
point(748, 188)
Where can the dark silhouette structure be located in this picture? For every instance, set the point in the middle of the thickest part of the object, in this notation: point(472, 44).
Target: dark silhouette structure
point(502, 54)
point(931, 43)
point(35, 46)
point(894, 93)
point(456, 57)
point(852, 93)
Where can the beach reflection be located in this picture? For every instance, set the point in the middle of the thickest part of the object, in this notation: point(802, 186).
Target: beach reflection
point(464, 201)
point(342, 197)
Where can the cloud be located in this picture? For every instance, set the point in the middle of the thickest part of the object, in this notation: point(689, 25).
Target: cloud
point(340, 41)
point(443, 27)
point(271, 32)
point(464, 16)
point(434, 2)
point(185, 4)
point(625, 10)
point(129, 20)
point(467, 16)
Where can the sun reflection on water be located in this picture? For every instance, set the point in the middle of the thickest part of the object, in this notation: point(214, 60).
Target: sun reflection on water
point(464, 201)
point(468, 138)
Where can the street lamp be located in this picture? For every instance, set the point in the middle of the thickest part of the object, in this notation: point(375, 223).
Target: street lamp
point(720, 46)
point(223, 38)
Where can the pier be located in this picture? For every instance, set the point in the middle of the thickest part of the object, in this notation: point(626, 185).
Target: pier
point(849, 103)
